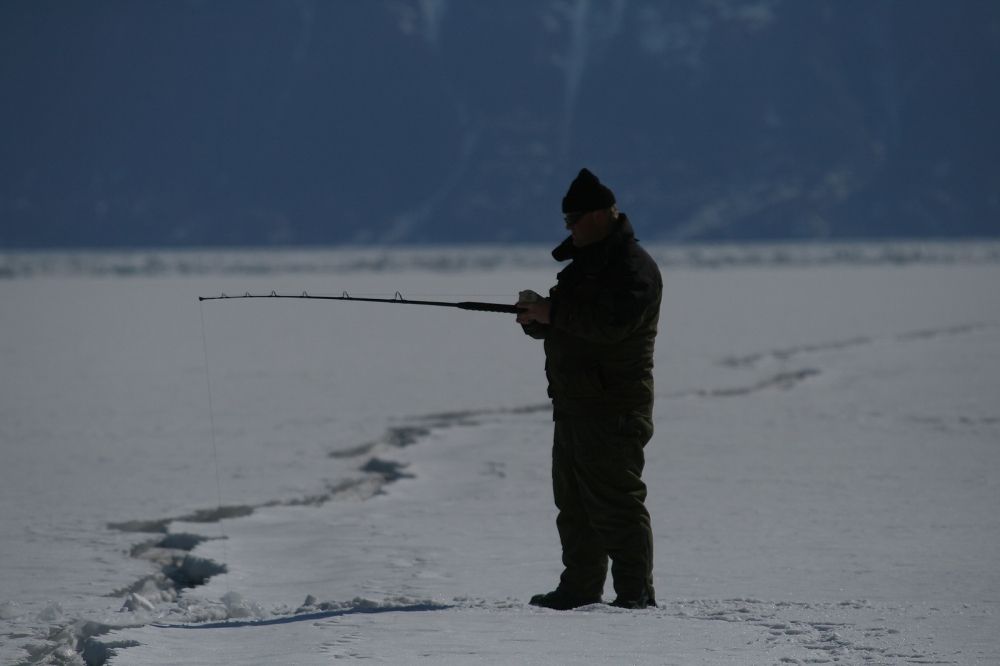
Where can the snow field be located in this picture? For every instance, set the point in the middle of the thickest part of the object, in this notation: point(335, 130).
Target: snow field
point(822, 481)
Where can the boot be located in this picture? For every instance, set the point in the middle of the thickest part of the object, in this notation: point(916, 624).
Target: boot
point(642, 600)
point(560, 599)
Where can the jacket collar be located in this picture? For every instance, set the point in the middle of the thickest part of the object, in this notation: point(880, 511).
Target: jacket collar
point(622, 233)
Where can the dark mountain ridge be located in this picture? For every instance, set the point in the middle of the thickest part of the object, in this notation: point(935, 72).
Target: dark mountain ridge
point(252, 122)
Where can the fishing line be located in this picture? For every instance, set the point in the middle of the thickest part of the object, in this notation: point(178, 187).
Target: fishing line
point(397, 299)
point(215, 448)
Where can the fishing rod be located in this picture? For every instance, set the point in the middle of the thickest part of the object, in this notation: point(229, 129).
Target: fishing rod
point(398, 298)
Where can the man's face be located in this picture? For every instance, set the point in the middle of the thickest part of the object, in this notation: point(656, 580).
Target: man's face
point(587, 228)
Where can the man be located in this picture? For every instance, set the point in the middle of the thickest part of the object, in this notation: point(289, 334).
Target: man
point(599, 324)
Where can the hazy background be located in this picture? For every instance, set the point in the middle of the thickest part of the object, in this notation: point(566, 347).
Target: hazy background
point(278, 122)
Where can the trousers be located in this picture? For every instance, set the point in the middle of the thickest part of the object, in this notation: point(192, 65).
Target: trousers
point(600, 496)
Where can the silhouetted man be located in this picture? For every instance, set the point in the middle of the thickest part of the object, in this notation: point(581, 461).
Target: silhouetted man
point(599, 325)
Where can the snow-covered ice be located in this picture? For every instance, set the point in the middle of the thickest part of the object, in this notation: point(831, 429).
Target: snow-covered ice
point(823, 480)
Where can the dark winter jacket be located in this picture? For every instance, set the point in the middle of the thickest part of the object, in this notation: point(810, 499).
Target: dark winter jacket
point(599, 344)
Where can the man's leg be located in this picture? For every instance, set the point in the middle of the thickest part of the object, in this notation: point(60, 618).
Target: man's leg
point(608, 471)
point(583, 554)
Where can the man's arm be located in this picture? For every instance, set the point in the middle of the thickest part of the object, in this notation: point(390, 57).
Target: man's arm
point(534, 314)
point(616, 310)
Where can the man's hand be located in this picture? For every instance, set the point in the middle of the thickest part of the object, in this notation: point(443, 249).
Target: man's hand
point(532, 311)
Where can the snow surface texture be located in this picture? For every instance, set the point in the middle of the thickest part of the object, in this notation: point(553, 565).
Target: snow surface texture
point(823, 480)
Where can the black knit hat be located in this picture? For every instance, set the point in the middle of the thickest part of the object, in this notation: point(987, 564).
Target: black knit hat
point(586, 193)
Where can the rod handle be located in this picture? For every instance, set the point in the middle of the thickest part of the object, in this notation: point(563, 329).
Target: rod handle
point(488, 307)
